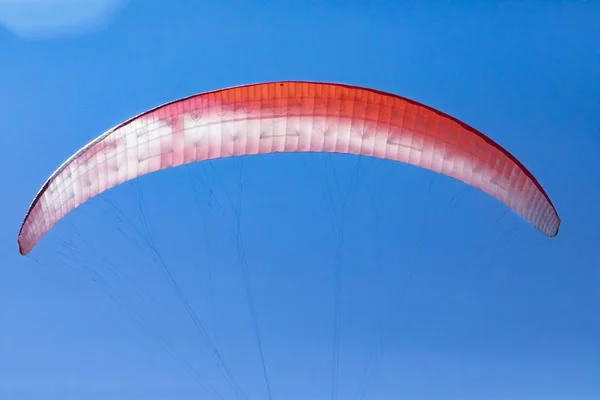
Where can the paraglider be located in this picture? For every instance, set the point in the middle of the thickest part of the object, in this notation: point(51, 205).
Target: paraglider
point(288, 116)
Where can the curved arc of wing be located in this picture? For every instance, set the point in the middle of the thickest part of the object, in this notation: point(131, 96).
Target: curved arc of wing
point(290, 116)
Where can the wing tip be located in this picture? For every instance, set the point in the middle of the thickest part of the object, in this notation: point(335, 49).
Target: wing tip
point(22, 249)
point(552, 230)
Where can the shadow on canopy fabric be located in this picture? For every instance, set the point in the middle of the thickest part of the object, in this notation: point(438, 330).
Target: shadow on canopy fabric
point(288, 117)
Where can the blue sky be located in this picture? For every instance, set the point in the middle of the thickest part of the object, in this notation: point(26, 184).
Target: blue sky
point(471, 302)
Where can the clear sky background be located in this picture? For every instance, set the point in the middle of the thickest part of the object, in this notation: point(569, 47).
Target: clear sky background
point(465, 300)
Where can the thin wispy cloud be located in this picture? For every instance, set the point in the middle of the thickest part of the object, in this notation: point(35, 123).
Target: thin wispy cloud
point(38, 19)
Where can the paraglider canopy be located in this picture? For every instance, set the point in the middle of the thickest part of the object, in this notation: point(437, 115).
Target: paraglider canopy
point(288, 116)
